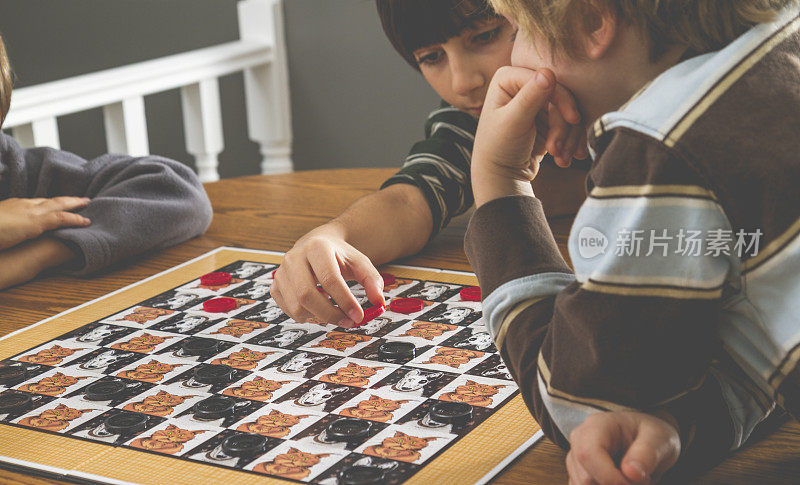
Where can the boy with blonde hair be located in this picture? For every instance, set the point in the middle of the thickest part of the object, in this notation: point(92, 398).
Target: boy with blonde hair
point(677, 332)
point(126, 205)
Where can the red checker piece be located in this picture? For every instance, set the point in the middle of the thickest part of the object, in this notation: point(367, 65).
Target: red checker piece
point(388, 278)
point(215, 279)
point(406, 305)
point(471, 293)
point(371, 313)
point(219, 305)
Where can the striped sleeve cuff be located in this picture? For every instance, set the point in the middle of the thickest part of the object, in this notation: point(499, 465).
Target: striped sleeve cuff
point(508, 239)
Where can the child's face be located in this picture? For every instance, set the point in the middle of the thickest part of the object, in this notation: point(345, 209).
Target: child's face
point(460, 69)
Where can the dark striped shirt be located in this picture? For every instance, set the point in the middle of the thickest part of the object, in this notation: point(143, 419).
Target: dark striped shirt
point(439, 164)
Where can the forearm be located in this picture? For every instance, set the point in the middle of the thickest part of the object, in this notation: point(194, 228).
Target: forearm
point(491, 182)
point(386, 225)
point(25, 261)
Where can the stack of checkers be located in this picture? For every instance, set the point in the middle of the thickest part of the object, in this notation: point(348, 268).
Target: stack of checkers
point(213, 371)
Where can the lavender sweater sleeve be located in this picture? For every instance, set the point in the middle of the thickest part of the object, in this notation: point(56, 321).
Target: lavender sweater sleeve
point(137, 203)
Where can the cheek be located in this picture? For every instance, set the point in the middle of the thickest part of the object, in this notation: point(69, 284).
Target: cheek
point(524, 55)
point(438, 79)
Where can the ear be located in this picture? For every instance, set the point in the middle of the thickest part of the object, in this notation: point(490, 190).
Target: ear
point(599, 30)
point(294, 450)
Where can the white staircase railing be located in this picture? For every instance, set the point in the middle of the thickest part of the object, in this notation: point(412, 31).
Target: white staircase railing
point(261, 54)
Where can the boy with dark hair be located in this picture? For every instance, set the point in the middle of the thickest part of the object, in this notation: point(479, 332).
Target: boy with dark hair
point(680, 319)
point(457, 45)
point(126, 205)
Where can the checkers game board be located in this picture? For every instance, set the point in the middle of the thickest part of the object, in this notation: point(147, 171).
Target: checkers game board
point(185, 379)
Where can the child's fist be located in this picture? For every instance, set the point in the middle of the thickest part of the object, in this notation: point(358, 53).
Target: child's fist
point(24, 219)
point(506, 140)
point(525, 114)
point(645, 446)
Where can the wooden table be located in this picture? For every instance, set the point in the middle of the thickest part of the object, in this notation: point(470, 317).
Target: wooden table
point(271, 213)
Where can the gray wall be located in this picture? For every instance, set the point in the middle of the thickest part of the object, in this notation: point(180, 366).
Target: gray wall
point(355, 103)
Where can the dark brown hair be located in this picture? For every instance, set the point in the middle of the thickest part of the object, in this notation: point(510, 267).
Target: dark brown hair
point(414, 24)
point(6, 82)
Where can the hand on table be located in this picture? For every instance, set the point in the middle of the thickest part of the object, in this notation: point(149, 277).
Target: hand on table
point(321, 257)
point(525, 114)
point(25, 219)
point(645, 446)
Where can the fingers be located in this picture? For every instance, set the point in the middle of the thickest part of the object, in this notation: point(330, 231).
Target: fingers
point(358, 267)
point(55, 213)
point(55, 220)
point(558, 134)
point(582, 152)
point(571, 145)
point(533, 95)
point(654, 450)
point(309, 300)
point(326, 268)
point(565, 102)
point(577, 474)
point(594, 443)
point(63, 203)
point(329, 262)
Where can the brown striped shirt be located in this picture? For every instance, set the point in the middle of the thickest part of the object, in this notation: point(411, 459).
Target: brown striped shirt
point(686, 256)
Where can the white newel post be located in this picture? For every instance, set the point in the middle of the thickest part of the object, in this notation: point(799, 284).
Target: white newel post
point(267, 86)
point(39, 133)
point(126, 127)
point(202, 125)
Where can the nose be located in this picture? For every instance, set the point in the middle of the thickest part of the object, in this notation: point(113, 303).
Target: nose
point(466, 76)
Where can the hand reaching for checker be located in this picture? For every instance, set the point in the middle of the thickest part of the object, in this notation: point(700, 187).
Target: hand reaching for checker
point(321, 257)
point(25, 219)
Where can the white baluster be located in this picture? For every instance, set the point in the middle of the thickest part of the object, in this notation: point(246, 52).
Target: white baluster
point(126, 127)
point(267, 87)
point(40, 133)
point(202, 125)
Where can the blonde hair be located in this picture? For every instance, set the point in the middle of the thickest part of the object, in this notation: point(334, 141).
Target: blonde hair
point(701, 25)
point(6, 82)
